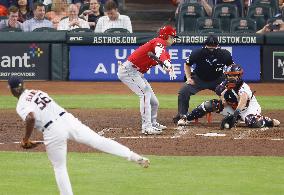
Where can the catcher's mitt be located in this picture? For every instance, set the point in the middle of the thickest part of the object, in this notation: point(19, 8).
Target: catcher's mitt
point(231, 120)
point(28, 144)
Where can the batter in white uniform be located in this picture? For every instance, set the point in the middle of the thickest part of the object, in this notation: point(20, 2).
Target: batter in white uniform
point(39, 111)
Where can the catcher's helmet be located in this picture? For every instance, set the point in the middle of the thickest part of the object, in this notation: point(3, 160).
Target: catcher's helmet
point(234, 75)
point(166, 31)
point(211, 41)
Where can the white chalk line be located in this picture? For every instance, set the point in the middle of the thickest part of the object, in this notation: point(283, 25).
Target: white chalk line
point(105, 130)
point(179, 134)
point(2, 143)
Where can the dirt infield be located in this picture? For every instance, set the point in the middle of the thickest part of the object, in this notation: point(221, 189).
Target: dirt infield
point(174, 141)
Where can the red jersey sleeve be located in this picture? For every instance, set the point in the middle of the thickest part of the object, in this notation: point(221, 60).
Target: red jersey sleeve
point(140, 56)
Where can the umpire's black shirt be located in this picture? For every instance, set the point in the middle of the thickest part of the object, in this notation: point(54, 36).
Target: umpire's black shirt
point(209, 64)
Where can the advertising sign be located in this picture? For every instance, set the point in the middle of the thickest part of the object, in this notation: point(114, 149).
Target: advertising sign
point(273, 63)
point(27, 60)
point(140, 38)
point(99, 63)
point(278, 65)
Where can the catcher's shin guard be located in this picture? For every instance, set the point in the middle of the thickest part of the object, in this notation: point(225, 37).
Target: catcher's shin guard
point(257, 121)
point(206, 107)
point(196, 113)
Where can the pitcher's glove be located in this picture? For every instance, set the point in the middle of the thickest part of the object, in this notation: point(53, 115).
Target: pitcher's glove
point(231, 120)
point(28, 144)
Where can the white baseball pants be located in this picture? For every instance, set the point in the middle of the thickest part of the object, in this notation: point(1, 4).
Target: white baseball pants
point(69, 127)
point(135, 80)
point(253, 108)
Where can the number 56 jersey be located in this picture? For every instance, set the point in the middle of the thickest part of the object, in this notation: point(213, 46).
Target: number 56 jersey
point(44, 107)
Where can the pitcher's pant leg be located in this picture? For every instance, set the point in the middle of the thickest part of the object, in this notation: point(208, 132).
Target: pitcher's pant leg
point(83, 134)
point(57, 155)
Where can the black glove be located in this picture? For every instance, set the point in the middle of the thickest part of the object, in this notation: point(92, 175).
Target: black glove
point(231, 119)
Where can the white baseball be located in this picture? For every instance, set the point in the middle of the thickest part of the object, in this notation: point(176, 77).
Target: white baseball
point(227, 126)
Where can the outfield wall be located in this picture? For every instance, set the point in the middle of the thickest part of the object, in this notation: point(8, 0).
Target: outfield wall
point(93, 57)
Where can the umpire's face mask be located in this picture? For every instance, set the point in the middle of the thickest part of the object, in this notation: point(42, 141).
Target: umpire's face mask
point(211, 49)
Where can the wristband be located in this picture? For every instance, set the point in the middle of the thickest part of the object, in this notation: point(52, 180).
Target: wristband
point(237, 112)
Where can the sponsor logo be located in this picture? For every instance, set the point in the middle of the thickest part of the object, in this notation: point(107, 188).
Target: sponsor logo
point(25, 60)
point(278, 65)
point(76, 38)
point(35, 51)
point(222, 39)
point(114, 40)
point(22, 61)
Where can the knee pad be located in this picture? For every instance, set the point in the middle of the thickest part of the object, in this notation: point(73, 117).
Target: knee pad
point(254, 121)
point(155, 102)
point(213, 105)
point(145, 89)
point(196, 113)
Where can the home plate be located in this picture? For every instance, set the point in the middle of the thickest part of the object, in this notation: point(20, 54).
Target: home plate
point(212, 134)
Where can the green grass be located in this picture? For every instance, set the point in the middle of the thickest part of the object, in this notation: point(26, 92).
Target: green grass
point(132, 101)
point(93, 173)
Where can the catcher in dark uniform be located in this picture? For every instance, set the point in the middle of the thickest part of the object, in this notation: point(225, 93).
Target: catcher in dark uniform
point(207, 64)
point(237, 102)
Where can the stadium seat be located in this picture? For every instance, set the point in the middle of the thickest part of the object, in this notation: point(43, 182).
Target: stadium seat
point(3, 17)
point(82, 30)
point(206, 24)
point(271, 3)
point(210, 31)
point(225, 12)
point(86, 6)
point(260, 13)
point(116, 30)
point(187, 17)
point(240, 9)
point(48, 8)
point(243, 25)
point(10, 29)
point(44, 29)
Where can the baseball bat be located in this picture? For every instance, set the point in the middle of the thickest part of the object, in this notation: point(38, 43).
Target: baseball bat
point(154, 57)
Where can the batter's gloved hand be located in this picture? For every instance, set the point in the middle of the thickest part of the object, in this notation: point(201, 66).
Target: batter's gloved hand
point(172, 74)
point(28, 144)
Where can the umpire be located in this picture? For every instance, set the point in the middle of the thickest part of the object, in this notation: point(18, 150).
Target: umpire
point(207, 64)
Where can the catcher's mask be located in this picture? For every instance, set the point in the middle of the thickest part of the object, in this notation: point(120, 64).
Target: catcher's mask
point(233, 75)
point(167, 31)
point(211, 41)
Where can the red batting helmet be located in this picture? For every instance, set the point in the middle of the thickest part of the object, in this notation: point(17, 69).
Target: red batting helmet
point(165, 31)
point(3, 10)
